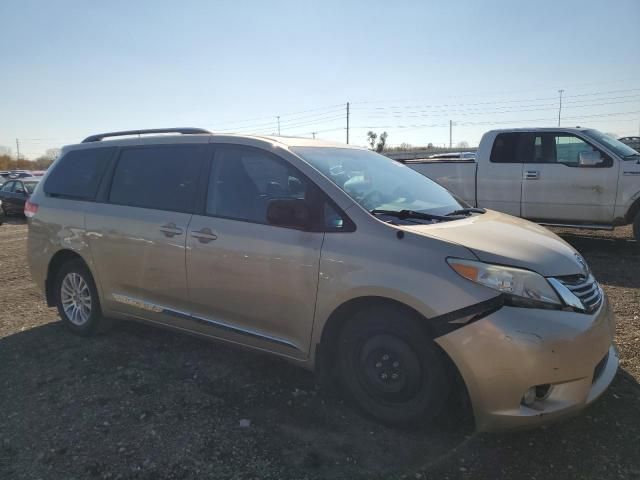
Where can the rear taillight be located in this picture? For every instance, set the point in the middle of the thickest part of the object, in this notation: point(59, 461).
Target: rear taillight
point(30, 209)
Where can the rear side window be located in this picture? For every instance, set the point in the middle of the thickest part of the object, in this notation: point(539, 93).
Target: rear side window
point(8, 187)
point(513, 147)
point(78, 174)
point(161, 178)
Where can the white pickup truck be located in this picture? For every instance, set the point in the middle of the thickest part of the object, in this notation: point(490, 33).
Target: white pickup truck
point(575, 177)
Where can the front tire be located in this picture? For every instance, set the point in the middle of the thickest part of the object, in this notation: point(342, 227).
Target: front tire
point(391, 367)
point(77, 299)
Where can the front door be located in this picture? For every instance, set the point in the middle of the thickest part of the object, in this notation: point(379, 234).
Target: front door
point(251, 282)
point(557, 188)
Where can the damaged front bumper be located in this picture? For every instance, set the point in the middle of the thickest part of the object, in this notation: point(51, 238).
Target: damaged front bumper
point(506, 353)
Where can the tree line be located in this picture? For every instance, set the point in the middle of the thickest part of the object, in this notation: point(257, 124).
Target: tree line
point(8, 162)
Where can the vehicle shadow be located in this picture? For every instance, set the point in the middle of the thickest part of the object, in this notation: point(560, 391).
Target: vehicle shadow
point(171, 405)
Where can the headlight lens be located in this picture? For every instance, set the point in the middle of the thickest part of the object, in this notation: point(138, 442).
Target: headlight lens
point(522, 287)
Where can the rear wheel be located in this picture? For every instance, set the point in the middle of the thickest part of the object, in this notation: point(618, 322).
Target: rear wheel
point(77, 299)
point(636, 227)
point(391, 368)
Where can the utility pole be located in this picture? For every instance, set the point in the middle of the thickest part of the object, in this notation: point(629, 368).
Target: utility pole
point(347, 123)
point(314, 135)
point(560, 106)
point(278, 117)
point(18, 149)
point(450, 133)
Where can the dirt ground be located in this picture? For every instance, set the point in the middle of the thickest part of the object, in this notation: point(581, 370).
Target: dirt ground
point(150, 404)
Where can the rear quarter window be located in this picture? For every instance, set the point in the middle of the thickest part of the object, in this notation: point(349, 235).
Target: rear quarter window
point(512, 147)
point(78, 173)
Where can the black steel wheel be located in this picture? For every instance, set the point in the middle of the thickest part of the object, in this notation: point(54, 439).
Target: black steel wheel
point(391, 367)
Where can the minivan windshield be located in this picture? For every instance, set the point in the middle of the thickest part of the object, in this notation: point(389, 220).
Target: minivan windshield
point(619, 148)
point(377, 182)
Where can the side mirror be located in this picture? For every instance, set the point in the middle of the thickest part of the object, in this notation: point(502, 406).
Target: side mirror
point(288, 212)
point(590, 159)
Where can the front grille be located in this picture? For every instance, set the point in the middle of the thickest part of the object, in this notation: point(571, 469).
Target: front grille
point(600, 368)
point(586, 289)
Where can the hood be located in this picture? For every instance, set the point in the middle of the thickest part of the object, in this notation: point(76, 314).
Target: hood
point(498, 238)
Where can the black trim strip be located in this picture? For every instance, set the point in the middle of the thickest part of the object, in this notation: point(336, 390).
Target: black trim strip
point(143, 305)
point(451, 321)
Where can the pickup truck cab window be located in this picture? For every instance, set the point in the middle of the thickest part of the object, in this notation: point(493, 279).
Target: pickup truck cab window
point(565, 149)
point(512, 147)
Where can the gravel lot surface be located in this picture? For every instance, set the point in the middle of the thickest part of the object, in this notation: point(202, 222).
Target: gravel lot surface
point(150, 404)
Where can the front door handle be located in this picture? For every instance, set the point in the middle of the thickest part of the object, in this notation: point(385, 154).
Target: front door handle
point(531, 174)
point(170, 230)
point(204, 236)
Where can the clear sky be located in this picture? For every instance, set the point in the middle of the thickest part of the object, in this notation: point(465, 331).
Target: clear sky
point(71, 68)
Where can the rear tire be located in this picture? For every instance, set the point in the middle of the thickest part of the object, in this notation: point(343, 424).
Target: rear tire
point(391, 367)
point(636, 227)
point(77, 300)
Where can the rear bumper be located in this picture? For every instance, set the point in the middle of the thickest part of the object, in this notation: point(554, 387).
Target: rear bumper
point(513, 349)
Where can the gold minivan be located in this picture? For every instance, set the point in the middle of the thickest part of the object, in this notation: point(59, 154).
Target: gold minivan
point(334, 257)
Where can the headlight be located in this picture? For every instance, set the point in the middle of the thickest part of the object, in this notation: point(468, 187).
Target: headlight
point(522, 288)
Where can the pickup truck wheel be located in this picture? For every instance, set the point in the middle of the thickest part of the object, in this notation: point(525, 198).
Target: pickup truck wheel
point(77, 299)
point(636, 227)
point(391, 368)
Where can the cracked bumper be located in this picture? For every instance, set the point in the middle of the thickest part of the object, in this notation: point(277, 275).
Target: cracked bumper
point(513, 349)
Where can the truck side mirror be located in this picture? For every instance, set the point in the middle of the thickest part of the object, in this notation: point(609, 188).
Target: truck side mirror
point(590, 159)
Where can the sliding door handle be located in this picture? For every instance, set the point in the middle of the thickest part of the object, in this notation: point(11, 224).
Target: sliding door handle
point(170, 230)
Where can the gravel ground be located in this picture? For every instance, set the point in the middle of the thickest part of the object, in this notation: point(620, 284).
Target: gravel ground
point(146, 403)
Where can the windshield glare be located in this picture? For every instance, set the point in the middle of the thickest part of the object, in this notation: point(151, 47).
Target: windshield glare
point(617, 146)
point(377, 182)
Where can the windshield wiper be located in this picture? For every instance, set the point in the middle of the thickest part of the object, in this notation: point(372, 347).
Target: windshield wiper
point(632, 155)
point(404, 214)
point(466, 211)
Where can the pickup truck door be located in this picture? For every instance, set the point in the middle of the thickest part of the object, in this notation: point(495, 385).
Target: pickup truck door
point(556, 187)
point(499, 174)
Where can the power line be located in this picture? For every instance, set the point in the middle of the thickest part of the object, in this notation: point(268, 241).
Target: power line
point(498, 122)
point(498, 111)
point(504, 101)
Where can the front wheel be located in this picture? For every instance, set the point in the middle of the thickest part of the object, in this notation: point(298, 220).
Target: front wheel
point(77, 299)
point(392, 369)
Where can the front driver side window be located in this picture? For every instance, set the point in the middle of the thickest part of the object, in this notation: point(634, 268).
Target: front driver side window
point(564, 149)
point(244, 179)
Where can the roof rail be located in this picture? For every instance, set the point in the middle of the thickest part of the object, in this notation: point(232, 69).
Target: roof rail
point(101, 136)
